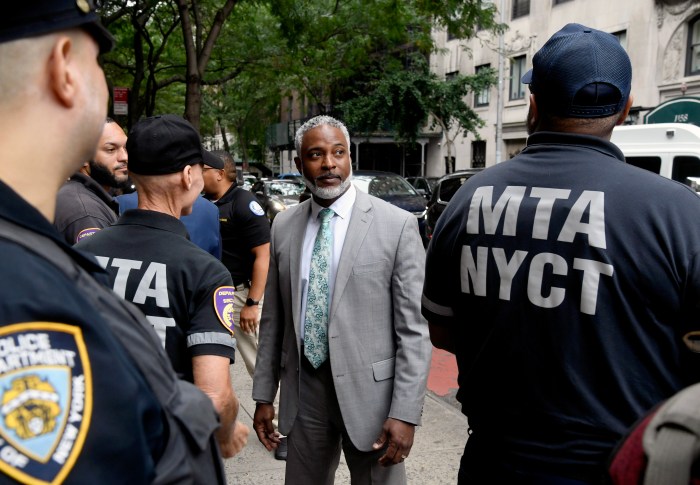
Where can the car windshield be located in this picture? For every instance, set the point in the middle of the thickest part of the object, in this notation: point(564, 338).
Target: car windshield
point(285, 189)
point(382, 186)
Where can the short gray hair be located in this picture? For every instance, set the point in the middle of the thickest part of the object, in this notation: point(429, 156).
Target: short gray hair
point(315, 122)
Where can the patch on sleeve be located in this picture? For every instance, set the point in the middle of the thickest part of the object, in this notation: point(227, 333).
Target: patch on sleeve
point(46, 400)
point(90, 231)
point(256, 208)
point(223, 304)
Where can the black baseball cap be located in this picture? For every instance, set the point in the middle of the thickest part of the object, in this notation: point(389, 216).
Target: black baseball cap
point(38, 17)
point(163, 144)
point(212, 160)
point(580, 72)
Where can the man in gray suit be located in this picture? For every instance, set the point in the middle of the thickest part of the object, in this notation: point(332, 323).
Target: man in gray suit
point(341, 329)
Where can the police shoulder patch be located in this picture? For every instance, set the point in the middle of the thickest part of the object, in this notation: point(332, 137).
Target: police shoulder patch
point(223, 305)
point(256, 208)
point(86, 233)
point(45, 399)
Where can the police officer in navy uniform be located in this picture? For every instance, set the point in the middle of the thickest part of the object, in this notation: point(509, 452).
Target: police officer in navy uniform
point(565, 280)
point(185, 292)
point(76, 406)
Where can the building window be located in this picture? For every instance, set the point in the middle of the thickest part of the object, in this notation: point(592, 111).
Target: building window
point(520, 8)
point(693, 61)
point(621, 38)
point(449, 76)
point(517, 69)
point(482, 97)
point(478, 154)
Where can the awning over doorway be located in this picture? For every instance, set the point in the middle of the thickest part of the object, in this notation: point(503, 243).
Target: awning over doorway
point(679, 110)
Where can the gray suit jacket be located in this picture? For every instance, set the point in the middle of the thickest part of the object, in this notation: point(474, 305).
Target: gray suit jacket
point(379, 344)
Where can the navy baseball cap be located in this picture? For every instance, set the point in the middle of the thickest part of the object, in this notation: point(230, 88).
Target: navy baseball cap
point(580, 72)
point(163, 144)
point(30, 18)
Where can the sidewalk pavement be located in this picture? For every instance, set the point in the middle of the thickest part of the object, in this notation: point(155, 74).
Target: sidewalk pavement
point(434, 458)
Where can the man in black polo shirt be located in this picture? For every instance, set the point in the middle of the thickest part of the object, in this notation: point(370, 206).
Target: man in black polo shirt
point(84, 204)
point(245, 234)
point(185, 292)
point(565, 280)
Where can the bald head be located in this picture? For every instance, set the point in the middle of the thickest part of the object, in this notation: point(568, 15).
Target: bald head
point(53, 87)
point(172, 193)
point(22, 64)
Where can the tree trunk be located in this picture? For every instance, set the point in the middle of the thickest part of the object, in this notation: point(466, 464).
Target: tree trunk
point(197, 60)
point(222, 128)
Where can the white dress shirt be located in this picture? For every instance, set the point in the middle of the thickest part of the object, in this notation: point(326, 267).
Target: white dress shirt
point(339, 225)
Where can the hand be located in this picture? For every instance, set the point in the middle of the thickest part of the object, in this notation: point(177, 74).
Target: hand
point(237, 442)
point(262, 424)
point(397, 436)
point(249, 319)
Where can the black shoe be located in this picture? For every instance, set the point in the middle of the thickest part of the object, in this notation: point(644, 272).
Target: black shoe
point(281, 451)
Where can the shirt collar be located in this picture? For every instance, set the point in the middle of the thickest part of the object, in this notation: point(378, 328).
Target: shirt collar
point(587, 141)
point(95, 188)
point(154, 219)
point(228, 195)
point(342, 206)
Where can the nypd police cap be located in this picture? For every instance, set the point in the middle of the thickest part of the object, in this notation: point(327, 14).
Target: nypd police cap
point(38, 17)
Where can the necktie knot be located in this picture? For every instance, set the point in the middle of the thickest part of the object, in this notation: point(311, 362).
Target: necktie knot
point(325, 215)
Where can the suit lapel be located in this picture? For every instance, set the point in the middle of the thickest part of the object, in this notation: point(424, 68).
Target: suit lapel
point(296, 239)
point(360, 220)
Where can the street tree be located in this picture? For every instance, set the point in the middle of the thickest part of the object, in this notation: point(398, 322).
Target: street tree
point(408, 99)
point(366, 61)
point(161, 43)
point(219, 62)
point(144, 59)
point(201, 24)
point(249, 102)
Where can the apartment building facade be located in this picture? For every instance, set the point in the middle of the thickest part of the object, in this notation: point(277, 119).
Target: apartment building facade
point(662, 38)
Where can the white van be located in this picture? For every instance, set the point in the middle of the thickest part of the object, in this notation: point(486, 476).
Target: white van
point(670, 149)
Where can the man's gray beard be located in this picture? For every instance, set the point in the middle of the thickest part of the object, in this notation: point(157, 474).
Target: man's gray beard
point(328, 192)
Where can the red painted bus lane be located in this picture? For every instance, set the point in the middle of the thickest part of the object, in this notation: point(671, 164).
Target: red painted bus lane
point(442, 379)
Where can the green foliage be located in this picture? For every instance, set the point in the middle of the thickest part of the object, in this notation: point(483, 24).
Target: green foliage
point(366, 59)
point(246, 103)
point(462, 19)
point(405, 100)
point(364, 55)
point(146, 58)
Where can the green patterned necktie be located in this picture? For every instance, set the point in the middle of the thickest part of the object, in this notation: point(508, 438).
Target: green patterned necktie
point(317, 296)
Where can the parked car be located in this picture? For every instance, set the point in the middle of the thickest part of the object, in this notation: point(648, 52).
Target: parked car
point(293, 176)
point(248, 180)
point(444, 189)
point(394, 189)
point(423, 185)
point(276, 195)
